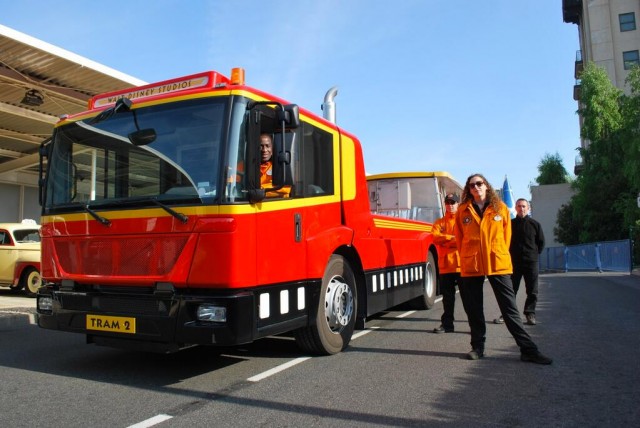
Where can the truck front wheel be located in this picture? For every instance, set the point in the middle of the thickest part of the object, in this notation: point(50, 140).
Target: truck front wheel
point(336, 317)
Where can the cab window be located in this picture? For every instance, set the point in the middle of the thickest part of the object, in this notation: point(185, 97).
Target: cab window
point(314, 168)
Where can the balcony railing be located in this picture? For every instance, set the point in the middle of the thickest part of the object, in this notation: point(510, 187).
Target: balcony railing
point(571, 11)
point(577, 91)
point(579, 65)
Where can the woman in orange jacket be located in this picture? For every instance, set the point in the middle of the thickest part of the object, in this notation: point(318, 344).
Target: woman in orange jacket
point(483, 235)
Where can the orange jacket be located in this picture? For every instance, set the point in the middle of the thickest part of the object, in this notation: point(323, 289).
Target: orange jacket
point(443, 236)
point(266, 180)
point(483, 243)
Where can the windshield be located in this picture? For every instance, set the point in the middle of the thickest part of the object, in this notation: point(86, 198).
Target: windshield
point(96, 164)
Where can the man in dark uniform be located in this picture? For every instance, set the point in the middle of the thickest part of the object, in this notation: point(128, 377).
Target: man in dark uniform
point(527, 242)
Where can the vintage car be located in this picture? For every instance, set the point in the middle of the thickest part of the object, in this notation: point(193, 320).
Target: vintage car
point(20, 256)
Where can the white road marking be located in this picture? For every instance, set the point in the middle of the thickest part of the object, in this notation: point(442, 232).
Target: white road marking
point(151, 421)
point(406, 314)
point(277, 369)
point(363, 332)
point(292, 363)
point(161, 418)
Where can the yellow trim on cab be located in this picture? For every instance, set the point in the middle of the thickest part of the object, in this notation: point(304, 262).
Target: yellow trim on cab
point(394, 224)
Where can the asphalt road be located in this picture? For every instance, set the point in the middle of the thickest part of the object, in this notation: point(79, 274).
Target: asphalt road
point(395, 373)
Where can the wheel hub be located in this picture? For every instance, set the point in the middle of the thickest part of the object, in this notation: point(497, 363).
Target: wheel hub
point(338, 306)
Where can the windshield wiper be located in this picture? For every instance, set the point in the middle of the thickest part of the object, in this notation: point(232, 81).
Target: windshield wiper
point(183, 218)
point(98, 217)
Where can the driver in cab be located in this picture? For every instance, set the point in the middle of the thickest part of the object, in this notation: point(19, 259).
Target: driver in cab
point(266, 169)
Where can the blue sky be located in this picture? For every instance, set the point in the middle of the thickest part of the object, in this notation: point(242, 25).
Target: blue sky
point(427, 85)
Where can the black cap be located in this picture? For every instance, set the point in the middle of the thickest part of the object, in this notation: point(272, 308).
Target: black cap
point(452, 197)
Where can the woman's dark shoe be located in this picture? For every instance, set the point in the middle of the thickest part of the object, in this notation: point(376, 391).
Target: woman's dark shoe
point(535, 357)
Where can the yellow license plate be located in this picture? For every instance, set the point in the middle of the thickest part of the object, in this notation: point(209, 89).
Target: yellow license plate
point(113, 324)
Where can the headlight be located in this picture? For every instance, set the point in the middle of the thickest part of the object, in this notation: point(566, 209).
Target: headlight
point(45, 304)
point(208, 312)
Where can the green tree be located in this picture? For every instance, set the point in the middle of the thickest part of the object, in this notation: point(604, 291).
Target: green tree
point(551, 170)
point(566, 231)
point(604, 205)
point(630, 109)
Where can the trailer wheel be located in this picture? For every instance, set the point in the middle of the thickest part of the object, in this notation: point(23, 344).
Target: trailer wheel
point(336, 317)
point(429, 286)
point(31, 281)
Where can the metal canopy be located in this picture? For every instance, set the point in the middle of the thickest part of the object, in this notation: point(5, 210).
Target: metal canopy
point(61, 80)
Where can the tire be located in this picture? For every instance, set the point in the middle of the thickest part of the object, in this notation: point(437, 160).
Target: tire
point(30, 281)
point(337, 309)
point(429, 286)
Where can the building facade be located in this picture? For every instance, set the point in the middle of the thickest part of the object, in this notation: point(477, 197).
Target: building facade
point(609, 37)
point(546, 201)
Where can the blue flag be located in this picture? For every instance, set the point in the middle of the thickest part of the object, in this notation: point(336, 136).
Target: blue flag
point(507, 197)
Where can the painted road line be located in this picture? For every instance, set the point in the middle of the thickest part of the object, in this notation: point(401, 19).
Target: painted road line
point(363, 332)
point(296, 361)
point(406, 314)
point(277, 369)
point(161, 418)
point(151, 421)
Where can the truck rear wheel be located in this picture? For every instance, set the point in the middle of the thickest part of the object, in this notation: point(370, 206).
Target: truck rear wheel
point(336, 317)
point(429, 286)
point(31, 281)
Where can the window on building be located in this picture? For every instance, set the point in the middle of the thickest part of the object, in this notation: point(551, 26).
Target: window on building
point(630, 59)
point(627, 21)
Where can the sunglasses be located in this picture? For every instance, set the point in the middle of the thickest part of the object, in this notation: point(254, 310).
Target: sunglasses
point(450, 202)
point(476, 184)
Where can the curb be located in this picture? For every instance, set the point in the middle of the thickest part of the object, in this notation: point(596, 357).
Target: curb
point(12, 318)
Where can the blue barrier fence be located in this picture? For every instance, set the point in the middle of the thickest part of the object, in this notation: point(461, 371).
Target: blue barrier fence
point(599, 256)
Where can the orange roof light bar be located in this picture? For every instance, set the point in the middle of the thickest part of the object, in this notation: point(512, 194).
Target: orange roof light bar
point(237, 76)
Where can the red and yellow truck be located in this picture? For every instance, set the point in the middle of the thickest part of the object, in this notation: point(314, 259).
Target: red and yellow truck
point(156, 234)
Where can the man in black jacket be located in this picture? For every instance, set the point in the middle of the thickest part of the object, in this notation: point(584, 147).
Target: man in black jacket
point(527, 242)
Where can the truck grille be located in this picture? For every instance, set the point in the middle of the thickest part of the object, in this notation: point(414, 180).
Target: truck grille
point(117, 256)
point(114, 304)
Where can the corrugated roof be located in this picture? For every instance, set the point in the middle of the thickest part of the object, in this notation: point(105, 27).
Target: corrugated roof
point(64, 80)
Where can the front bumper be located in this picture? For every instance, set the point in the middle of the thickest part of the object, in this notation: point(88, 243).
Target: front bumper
point(163, 322)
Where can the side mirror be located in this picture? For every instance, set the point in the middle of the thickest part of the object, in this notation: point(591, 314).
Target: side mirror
point(143, 137)
point(44, 153)
point(257, 195)
point(283, 153)
point(289, 115)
